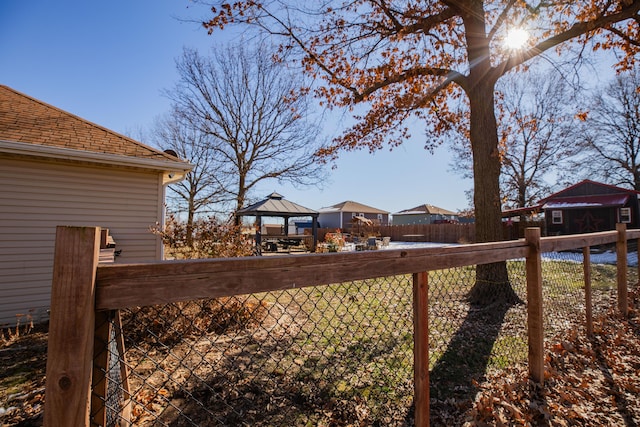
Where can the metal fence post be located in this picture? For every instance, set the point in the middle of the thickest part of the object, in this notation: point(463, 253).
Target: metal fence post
point(535, 324)
point(621, 262)
point(421, 348)
point(71, 327)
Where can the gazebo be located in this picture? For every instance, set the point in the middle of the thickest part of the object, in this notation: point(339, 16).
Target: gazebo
point(276, 206)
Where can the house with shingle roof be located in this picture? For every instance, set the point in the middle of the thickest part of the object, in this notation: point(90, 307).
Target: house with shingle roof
point(59, 169)
point(424, 214)
point(342, 215)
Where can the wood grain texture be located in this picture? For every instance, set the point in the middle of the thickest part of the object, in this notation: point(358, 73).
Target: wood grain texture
point(122, 286)
point(129, 285)
point(100, 366)
point(621, 261)
point(562, 243)
point(535, 324)
point(421, 348)
point(71, 327)
point(586, 265)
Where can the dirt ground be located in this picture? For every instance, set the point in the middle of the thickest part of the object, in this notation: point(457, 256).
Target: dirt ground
point(23, 359)
point(589, 381)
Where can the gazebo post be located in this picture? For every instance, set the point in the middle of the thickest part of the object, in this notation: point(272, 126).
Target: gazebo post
point(314, 232)
point(258, 234)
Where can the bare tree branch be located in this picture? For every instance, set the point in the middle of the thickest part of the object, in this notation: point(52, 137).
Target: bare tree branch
point(257, 125)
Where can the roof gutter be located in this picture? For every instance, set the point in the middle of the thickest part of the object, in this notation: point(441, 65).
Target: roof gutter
point(175, 170)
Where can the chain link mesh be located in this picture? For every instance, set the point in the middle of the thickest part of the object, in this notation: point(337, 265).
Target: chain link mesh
point(338, 354)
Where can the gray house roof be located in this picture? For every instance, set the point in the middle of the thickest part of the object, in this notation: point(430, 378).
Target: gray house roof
point(426, 209)
point(276, 205)
point(350, 206)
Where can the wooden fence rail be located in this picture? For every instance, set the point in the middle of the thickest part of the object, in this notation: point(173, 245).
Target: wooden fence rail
point(440, 233)
point(82, 288)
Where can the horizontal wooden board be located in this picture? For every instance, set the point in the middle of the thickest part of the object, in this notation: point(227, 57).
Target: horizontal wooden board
point(120, 286)
point(563, 243)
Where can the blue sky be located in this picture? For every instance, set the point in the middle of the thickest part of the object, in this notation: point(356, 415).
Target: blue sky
point(108, 62)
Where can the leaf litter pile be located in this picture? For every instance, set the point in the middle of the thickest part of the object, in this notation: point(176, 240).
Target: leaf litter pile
point(588, 381)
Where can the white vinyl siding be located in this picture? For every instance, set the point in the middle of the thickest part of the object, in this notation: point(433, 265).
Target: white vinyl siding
point(37, 196)
point(330, 220)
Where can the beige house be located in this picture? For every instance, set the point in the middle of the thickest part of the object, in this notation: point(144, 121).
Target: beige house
point(58, 169)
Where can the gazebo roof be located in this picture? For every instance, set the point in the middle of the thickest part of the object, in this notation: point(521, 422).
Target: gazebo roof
point(275, 205)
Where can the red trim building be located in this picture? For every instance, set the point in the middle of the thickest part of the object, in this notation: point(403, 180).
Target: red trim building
point(590, 206)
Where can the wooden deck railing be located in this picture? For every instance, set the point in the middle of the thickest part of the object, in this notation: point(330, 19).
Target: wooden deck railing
point(83, 289)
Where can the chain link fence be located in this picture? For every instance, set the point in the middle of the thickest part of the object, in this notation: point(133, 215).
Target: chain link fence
point(333, 355)
point(310, 356)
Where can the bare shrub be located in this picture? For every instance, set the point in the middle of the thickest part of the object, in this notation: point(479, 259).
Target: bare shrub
point(211, 238)
point(169, 324)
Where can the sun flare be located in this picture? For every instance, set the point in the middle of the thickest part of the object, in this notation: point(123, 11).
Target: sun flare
point(516, 38)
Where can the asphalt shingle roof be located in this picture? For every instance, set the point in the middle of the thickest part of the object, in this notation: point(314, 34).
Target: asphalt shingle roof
point(351, 206)
point(275, 204)
point(427, 209)
point(28, 120)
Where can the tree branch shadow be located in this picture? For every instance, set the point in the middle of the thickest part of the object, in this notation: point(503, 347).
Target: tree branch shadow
point(466, 359)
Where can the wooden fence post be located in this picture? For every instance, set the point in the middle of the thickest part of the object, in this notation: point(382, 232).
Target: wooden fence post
point(638, 259)
point(621, 261)
point(109, 406)
point(586, 265)
point(421, 348)
point(71, 327)
point(102, 333)
point(535, 325)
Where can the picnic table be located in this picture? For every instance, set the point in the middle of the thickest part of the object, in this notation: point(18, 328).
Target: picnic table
point(273, 243)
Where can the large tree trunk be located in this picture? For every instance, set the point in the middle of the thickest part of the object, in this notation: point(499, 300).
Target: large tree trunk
point(492, 280)
point(240, 199)
point(190, 219)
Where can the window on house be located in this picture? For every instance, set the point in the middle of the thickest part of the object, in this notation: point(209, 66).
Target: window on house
point(380, 218)
point(625, 215)
point(556, 217)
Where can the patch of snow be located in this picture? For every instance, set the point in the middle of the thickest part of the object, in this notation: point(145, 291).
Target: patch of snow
point(608, 257)
point(599, 258)
point(415, 245)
